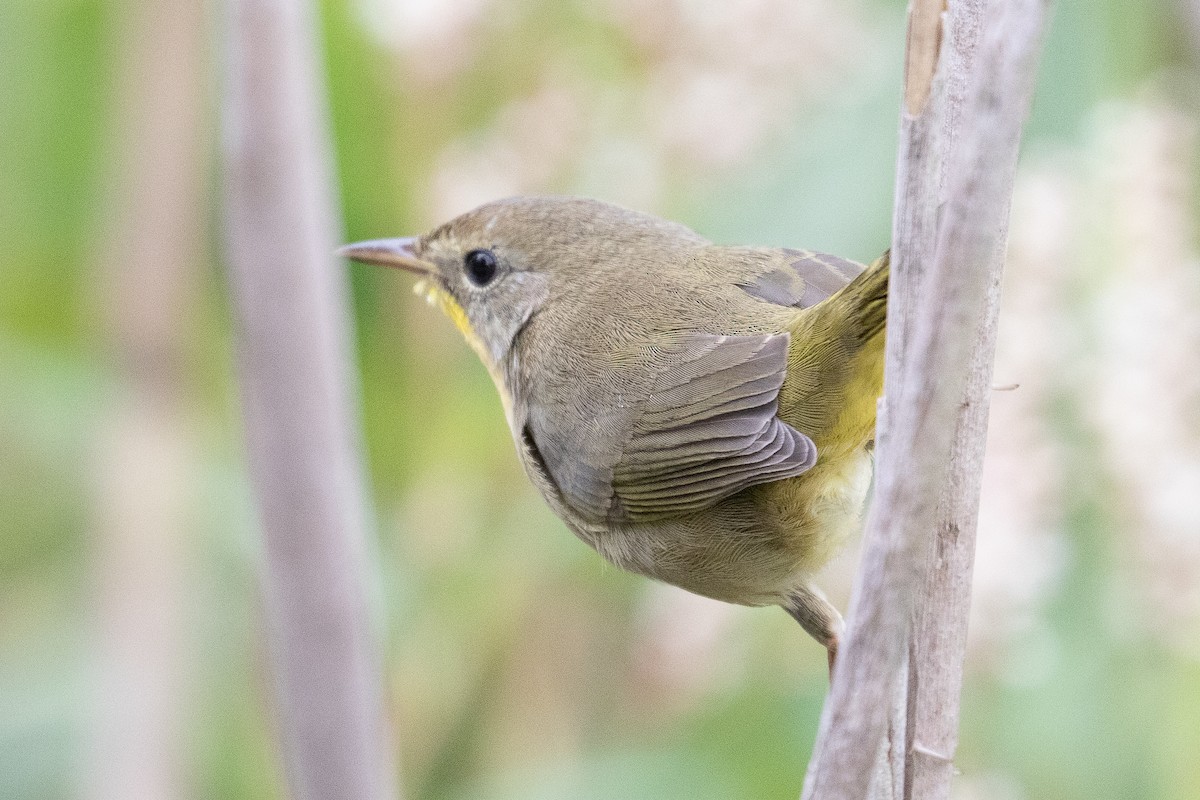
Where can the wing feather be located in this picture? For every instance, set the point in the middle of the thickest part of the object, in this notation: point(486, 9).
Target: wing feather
point(706, 428)
point(709, 428)
point(802, 279)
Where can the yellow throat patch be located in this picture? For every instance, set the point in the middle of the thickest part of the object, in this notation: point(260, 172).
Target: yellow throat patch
point(436, 296)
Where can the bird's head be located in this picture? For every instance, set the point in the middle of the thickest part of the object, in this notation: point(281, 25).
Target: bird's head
point(492, 269)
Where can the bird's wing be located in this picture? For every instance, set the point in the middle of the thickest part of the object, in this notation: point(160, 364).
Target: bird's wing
point(709, 428)
point(706, 429)
point(801, 278)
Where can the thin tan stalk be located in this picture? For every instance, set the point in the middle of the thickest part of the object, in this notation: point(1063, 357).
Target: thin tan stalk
point(145, 293)
point(946, 257)
point(298, 398)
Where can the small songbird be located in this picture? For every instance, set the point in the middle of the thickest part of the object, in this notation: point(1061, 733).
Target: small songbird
point(697, 413)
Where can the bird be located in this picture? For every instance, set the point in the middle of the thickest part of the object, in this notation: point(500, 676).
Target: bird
point(697, 413)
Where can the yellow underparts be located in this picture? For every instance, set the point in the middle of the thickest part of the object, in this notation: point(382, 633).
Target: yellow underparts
point(856, 423)
point(823, 507)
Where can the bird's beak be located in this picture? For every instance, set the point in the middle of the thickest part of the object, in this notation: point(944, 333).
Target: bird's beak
point(398, 253)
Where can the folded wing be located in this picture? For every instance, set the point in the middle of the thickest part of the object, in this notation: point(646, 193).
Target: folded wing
point(707, 429)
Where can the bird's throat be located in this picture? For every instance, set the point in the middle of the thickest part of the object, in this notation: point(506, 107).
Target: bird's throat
point(439, 297)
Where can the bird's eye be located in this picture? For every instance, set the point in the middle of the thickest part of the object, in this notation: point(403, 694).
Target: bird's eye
point(481, 266)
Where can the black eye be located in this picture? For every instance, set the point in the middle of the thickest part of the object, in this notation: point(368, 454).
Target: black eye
point(481, 266)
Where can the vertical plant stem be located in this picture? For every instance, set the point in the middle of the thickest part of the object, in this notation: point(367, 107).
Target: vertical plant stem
point(291, 308)
point(943, 302)
point(1190, 10)
point(978, 193)
point(144, 451)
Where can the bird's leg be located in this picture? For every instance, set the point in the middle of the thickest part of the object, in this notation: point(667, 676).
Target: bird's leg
point(816, 615)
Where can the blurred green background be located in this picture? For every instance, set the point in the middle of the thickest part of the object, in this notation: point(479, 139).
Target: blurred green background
point(518, 664)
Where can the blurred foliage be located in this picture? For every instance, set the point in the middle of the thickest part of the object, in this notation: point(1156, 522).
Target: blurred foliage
point(518, 664)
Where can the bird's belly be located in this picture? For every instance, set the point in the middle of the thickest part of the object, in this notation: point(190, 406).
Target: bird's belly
point(753, 547)
point(822, 508)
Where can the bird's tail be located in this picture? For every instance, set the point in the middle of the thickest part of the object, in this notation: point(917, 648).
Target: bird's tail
point(835, 363)
point(866, 296)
